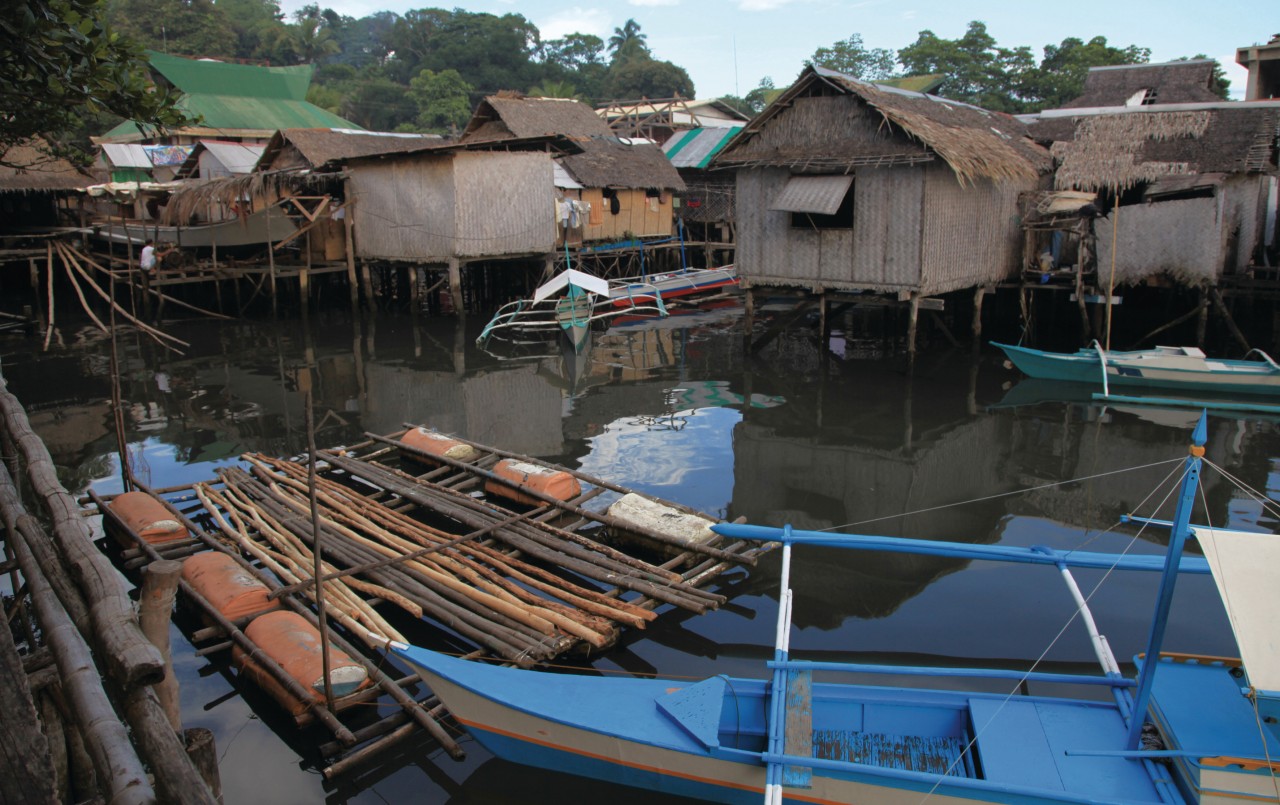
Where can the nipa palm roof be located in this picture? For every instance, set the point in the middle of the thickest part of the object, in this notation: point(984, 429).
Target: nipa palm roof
point(26, 168)
point(324, 148)
point(827, 121)
point(1139, 84)
point(237, 99)
point(605, 161)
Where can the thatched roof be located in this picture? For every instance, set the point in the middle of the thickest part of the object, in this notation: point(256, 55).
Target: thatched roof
point(505, 116)
point(25, 168)
point(1147, 84)
point(827, 122)
point(609, 162)
point(605, 161)
point(323, 148)
point(1118, 150)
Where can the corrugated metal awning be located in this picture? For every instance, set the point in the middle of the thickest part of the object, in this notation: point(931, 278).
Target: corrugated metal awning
point(562, 179)
point(816, 194)
point(238, 158)
point(126, 156)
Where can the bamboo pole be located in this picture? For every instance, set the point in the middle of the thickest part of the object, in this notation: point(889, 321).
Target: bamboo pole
point(317, 573)
point(114, 758)
point(131, 658)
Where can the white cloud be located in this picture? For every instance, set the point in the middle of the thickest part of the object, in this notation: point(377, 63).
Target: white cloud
point(761, 5)
point(654, 2)
point(576, 20)
point(909, 15)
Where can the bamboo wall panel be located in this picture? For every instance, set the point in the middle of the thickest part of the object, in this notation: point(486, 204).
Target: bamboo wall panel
point(972, 233)
point(404, 209)
point(769, 251)
point(505, 204)
point(636, 216)
point(1183, 238)
point(886, 227)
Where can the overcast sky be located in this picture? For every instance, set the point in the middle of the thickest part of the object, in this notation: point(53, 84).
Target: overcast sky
point(727, 46)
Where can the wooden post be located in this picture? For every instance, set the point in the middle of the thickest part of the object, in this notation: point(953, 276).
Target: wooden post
point(204, 756)
point(822, 321)
point(366, 280)
point(271, 260)
point(349, 230)
point(317, 573)
point(748, 320)
point(1202, 320)
point(455, 285)
point(159, 586)
point(978, 294)
point(913, 322)
point(304, 276)
point(29, 764)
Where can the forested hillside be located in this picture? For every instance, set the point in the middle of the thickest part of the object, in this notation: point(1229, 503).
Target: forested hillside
point(421, 71)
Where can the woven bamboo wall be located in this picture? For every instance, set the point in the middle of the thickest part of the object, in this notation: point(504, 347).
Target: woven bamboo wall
point(404, 209)
point(972, 233)
point(887, 227)
point(880, 253)
point(1183, 238)
point(505, 204)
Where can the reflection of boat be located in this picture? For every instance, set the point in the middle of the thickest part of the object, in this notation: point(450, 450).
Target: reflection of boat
point(1163, 367)
point(572, 301)
point(1206, 727)
point(251, 230)
point(1160, 411)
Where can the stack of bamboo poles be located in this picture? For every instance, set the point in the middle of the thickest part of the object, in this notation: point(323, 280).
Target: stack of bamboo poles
point(521, 611)
point(99, 668)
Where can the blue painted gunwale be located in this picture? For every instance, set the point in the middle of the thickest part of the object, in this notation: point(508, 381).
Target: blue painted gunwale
point(1083, 367)
point(623, 710)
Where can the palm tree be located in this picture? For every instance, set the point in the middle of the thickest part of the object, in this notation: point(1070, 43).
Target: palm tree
point(626, 37)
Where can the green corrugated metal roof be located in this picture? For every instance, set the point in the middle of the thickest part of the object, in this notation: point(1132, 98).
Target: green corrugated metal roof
point(240, 96)
point(197, 77)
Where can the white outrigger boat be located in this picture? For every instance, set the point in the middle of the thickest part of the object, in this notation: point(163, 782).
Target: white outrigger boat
point(1186, 729)
point(1185, 369)
point(572, 301)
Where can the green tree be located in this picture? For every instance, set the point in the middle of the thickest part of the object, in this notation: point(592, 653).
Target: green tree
point(1061, 74)
point(648, 78)
point(181, 27)
point(851, 57)
point(627, 42)
point(977, 70)
point(443, 99)
point(253, 22)
point(59, 62)
point(1219, 83)
point(555, 89)
point(377, 103)
point(574, 51)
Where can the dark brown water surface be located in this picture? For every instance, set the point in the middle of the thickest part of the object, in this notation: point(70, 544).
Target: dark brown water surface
point(820, 436)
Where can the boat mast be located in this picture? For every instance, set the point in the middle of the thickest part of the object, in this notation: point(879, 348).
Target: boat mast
point(1177, 540)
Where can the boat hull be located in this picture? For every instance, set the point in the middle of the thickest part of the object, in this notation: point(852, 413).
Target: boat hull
point(506, 710)
point(252, 230)
point(1149, 369)
point(671, 286)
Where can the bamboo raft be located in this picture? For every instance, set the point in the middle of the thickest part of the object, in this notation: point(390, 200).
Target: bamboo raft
point(440, 539)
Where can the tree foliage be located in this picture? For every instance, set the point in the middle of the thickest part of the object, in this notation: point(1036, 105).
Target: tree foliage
point(443, 100)
point(851, 57)
point(1061, 73)
point(977, 70)
point(648, 78)
point(59, 63)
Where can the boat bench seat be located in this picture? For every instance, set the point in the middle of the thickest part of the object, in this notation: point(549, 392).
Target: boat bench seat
point(1025, 744)
point(936, 755)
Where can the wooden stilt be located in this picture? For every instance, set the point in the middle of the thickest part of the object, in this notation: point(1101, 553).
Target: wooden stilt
point(366, 280)
point(271, 261)
point(978, 294)
point(1202, 322)
point(455, 285)
point(351, 255)
point(913, 321)
point(748, 319)
point(1216, 296)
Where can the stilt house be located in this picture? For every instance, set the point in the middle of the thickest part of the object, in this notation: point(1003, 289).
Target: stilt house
point(1190, 188)
point(31, 184)
point(846, 186)
point(627, 186)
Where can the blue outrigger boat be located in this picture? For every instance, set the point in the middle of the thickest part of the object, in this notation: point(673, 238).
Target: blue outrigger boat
point(1186, 369)
point(1187, 729)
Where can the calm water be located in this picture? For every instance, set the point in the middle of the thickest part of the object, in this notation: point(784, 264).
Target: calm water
point(818, 437)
